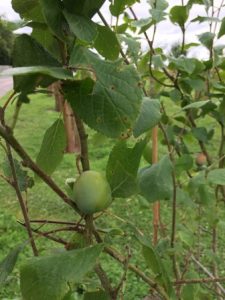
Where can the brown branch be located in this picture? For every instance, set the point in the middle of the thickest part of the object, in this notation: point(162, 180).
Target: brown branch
point(123, 260)
point(28, 162)
point(55, 222)
point(105, 282)
point(150, 44)
point(199, 281)
point(206, 271)
point(21, 201)
point(84, 146)
point(55, 239)
point(8, 100)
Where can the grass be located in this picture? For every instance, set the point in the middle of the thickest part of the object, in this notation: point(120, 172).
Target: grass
point(33, 121)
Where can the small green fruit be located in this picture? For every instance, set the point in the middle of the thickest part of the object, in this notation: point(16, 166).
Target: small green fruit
point(147, 153)
point(92, 192)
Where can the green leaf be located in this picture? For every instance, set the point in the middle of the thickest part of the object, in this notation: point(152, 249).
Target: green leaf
point(197, 84)
point(157, 61)
point(111, 104)
point(188, 65)
point(118, 6)
point(58, 73)
point(197, 104)
point(52, 11)
point(133, 48)
point(202, 19)
point(199, 189)
point(28, 9)
point(24, 181)
point(97, 295)
point(83, 28)
point(86, 8)
point(175, 95)
point(155, 263)
point(222, 29)
point(48, 278)
point(200, 133)
point(158, 10)
point(52, 147)
point(43, 36)
point(157, 15)
point(184, 163)
point(149, 116)
point(179, 15)
point(8, 264)
point(122, 167)
point(206, 39)
point(28, 52)
point(141, 22)
point(217, 176)
point(106, 43)
point(155, 182)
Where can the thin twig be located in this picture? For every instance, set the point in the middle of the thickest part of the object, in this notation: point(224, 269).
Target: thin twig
point(21, 201)
point(206, 271)
point(8, 100)
point(28, 162)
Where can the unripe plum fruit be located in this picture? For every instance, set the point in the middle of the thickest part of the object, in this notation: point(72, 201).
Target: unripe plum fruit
point(92, 192)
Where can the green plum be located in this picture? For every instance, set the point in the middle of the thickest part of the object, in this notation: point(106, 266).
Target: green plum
point(92, 192)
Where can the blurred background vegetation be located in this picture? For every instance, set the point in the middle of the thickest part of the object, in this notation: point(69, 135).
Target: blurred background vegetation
point(7, 37)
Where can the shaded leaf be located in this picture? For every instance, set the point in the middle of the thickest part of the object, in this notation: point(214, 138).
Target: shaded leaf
point(43, 36)
point(83, 28)
point(48, 278)
point(58, 73)
point(155, 182)
point(28, 52)
point(122, 167)
point(155, 263)
point(106, 43)
point(86, 8)
point(28, 9)
point(8, 264)
point(149, 116)
point(52, 147)
point(52, 11)
point(97, 295)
